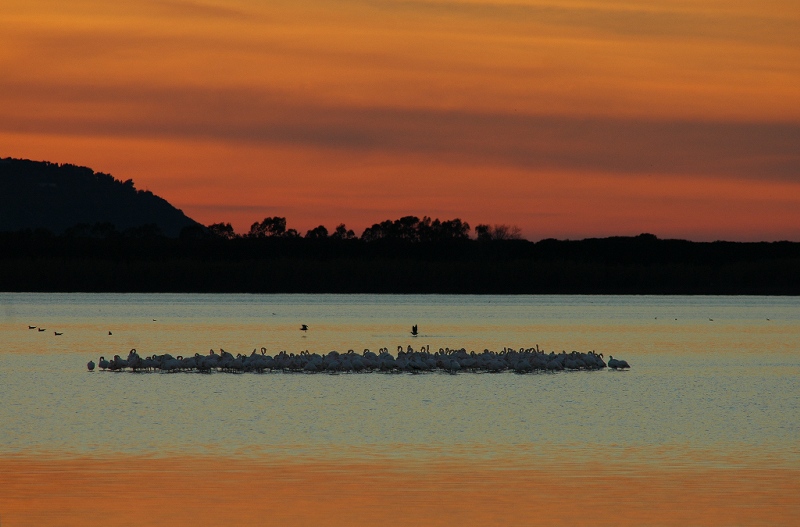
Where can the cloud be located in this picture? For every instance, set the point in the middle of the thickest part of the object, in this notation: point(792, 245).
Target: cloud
point(749, 150)
point(200, 9)
point(652, 21)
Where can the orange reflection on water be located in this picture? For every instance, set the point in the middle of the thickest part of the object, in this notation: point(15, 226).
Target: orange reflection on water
point(200, 491)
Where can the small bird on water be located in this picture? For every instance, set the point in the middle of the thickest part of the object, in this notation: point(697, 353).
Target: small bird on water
point(90, 365)
point(414, 331)
point(616, 364)
point(304, 327)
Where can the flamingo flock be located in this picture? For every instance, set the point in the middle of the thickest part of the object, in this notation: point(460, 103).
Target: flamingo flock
point(409, 360)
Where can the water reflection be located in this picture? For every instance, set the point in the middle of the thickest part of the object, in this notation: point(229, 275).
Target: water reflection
point(209, 491)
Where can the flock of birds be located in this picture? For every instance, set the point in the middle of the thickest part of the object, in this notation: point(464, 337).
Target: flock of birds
point(57, 334)
point(523, 360)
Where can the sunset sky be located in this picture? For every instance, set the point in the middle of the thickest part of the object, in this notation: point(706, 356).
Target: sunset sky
point(568, 118)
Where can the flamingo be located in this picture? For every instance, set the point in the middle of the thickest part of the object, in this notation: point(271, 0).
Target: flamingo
point(616, 364)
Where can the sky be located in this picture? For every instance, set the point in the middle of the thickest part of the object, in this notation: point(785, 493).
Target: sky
point(567, 118)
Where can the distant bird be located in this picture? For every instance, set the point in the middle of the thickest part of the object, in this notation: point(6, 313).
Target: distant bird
point(304, 327)
point(109, 333)
point(767, 319)
point(615, 364)
point(103, 363)
point(34, 327)
point(90, 365)
point(42, 329)
point(711, 320)
point(414, 331)
point(57, 333)
point(154, 320)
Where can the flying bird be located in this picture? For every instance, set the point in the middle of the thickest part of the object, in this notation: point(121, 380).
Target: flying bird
point(57, 333)
point(304, 327)
point(34, 327)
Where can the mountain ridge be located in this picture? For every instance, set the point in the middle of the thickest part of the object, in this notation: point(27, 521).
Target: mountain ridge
point(57, 197)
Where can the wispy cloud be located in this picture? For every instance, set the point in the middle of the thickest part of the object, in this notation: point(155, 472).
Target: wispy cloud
point(216, 10)
point(750, 150)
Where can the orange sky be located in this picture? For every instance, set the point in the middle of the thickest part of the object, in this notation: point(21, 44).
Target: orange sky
point(568, 118)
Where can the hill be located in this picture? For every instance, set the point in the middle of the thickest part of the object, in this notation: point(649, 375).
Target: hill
point(43, 195)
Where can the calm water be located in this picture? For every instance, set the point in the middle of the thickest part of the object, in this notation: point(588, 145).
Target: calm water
point(722, 394)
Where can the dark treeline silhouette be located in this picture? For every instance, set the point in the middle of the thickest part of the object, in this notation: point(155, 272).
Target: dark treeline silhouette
point(68, 228)
point(408, 255)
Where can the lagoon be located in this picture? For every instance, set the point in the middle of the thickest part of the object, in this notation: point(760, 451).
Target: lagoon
point(706, 420)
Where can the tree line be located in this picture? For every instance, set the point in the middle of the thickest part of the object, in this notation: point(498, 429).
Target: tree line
point(406, 255)
point(407, 228)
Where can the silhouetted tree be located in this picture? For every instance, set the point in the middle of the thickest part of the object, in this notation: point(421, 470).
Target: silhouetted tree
point(270, 227)
point(343, 233)
point(497, 232)
point(411, 228)
point(222, 230)
point(483, 232)
point(434, 230)
point(317, 233)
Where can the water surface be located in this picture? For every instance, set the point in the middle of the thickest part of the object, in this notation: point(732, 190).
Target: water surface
point(711, 402)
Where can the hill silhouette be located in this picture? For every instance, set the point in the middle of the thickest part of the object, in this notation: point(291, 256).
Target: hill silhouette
point(43, 195)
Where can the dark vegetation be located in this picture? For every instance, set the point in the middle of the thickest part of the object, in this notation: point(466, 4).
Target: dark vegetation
point(41, 261)
point(407, 255)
